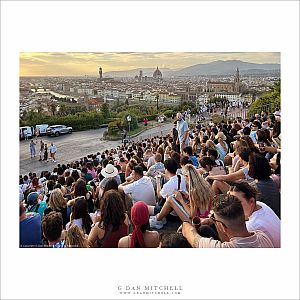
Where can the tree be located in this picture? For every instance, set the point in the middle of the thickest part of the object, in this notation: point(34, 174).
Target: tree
point(267, 101)
point(62, 110)
point(105, 110)
point(53, 108)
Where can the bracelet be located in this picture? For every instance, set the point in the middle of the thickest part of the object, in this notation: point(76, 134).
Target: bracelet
point(185, 221)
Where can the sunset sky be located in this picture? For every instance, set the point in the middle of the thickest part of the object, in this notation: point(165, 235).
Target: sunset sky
point(87, 63)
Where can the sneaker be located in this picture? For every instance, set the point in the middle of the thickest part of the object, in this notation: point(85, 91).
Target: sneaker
point(157, 224)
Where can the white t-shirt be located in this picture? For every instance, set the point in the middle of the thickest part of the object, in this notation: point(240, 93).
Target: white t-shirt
point(169, 187)
point(151, 162)
point(265, 220)
point(53, 149)
point(141, 190)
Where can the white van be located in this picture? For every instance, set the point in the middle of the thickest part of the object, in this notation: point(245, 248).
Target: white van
point(26, 132)
point(41, 129)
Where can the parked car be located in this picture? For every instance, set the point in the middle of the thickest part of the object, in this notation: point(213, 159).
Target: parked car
point(57, 130)
point(41, 129)
point(26, 132)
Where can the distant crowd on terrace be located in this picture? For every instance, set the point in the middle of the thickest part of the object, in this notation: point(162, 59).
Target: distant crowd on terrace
point(215, 186)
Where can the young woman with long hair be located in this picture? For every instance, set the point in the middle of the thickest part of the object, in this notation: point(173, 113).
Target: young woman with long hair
point(113, 223)
point(75, 238)
point(80, 190)
point(196, 146)
point(80, 215)
point(58, 203)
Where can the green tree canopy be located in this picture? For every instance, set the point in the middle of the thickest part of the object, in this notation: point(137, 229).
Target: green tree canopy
point(267, 101)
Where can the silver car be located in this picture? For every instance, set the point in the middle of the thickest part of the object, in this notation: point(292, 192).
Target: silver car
point(57, 130)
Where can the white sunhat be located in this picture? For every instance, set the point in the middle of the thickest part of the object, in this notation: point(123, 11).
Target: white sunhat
point(109, 171)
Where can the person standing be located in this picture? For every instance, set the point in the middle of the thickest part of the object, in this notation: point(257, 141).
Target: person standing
point(182, 129)
point(25, 134)
point(145, 121)
point(53, 150)
point(124, 136)
point(32, 149)
point(42, 145)
point(46, 153)
point(175, 146)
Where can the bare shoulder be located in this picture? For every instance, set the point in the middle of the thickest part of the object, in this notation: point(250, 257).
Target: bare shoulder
point(123, 242)
point(154, 236)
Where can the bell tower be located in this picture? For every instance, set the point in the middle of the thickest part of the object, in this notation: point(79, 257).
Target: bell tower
point(100, 74)
point(237, 81)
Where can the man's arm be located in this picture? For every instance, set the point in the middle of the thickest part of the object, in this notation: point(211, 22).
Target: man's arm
point(158, 186)
point(191, 234)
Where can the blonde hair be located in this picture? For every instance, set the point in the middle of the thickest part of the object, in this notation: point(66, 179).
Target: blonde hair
point(223, 144)
point(75, 238)
point(210, 145)
point(200, 191)
point(57, 200)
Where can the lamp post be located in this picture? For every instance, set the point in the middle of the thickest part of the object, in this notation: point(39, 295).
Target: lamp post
point(129, 120)
point(157, 97)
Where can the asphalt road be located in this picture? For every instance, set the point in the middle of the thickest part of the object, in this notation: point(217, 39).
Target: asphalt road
point(73, 146)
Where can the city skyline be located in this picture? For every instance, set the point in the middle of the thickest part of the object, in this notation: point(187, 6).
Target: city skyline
point(87, 63)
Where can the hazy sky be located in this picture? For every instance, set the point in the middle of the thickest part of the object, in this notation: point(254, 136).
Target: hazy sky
point(87, 63)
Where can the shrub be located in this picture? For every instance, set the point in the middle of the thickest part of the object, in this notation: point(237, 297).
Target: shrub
point(217, 118)
point(168, 113)
point(267, 102)
point(114, 127)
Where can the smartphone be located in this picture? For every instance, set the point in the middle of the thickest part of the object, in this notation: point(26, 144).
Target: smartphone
point(261, 146)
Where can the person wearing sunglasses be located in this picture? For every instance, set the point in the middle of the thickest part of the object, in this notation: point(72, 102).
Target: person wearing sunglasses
point(229, 218)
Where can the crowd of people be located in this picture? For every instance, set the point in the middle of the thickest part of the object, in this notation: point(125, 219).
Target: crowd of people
point(218, 185)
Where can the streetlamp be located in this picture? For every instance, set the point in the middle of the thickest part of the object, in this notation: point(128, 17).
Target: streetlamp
point(157, 97)
point(129, 120)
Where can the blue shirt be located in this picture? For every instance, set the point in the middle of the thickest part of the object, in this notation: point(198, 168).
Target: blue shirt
point(42, 207)
point(30, 231)
point(59, 244)
point(182, 127)
point(194, 161)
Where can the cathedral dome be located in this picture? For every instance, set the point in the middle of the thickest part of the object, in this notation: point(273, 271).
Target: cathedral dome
point(157, 73)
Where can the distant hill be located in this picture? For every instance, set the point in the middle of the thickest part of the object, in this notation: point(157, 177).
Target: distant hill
point(228, 67)
point(220, 67)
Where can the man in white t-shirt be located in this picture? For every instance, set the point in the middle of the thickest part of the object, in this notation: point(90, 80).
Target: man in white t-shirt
point(229, 219)
point(259, 215)
point(53, 150)
point(175, 182)
point(140, 189)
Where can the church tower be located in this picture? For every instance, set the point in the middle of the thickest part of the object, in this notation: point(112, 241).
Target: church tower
point(100, 74)
point(237, 81)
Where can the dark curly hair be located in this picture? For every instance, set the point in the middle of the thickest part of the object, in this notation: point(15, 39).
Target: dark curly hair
point(52, 225)
point(112, 210)
point(230, 209)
